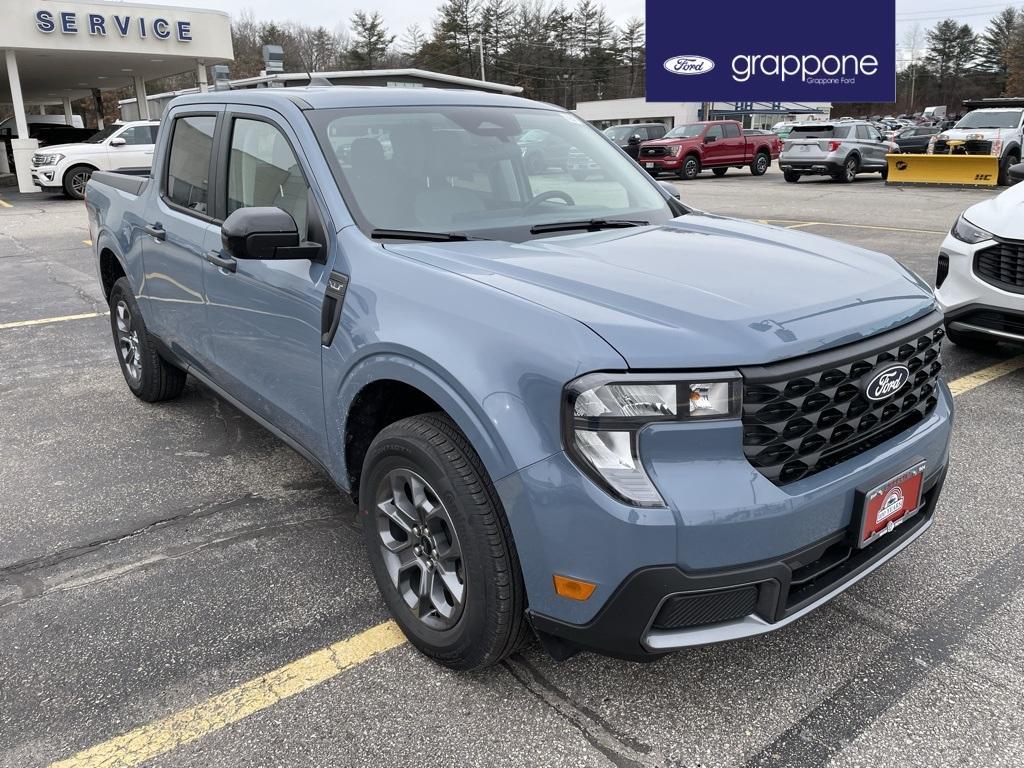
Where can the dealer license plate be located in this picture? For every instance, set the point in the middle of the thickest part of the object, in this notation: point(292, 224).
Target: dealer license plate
point(648, 165)
point(890, 504)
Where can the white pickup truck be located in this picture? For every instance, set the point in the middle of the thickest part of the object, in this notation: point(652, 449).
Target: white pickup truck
point(120, 146)
point(987, 131)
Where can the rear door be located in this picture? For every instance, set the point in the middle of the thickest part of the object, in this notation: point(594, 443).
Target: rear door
point(735, 143)
point(264, 334)
point(180, 225)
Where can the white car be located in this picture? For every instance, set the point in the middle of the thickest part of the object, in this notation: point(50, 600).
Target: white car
point(980, 276)
point(119, 147)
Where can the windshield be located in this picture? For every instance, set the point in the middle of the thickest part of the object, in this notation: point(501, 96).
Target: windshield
point(620, 132)
point(466, 170)
point(981, 119)
point(688, 131)
point(99, 136)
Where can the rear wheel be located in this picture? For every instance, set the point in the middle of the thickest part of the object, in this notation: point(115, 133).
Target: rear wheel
point(791, 176)
point(75, 180)
point(760, 164)
point(690, 169)
point(849, 170)
point(1004, 169)
point(149, 376)
point(980, 342)
point(719, 171)
point(439, 544)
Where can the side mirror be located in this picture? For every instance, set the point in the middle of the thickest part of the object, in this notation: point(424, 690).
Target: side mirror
point(709, 139)
point(261, 233)
point(1016, 172)
point(671, 188)
point(117, 142)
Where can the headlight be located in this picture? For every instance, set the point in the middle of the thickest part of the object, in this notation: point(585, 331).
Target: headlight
point(966, 232)
point(604, 413)
point(975, 136)
point(47, 159)
point(674, 151)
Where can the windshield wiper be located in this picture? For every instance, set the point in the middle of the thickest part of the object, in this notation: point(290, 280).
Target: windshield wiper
point(591, 225)
point(413, 234)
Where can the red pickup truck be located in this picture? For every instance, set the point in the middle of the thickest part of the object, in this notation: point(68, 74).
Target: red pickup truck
point(719, 145)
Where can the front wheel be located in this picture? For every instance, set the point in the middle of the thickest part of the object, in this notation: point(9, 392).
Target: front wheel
point(147, 374)
point(760, 164)
point(690, 169)
point(440, 545)
point(75, 180)
point(1004, 169)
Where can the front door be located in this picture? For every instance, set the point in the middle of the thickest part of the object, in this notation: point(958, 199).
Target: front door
point(264, 336)
point(137, 150)
point(179, 230)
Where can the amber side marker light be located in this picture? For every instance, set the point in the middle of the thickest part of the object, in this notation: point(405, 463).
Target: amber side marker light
point(574, 589)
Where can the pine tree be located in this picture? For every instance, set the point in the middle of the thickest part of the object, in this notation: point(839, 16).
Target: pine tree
point(370, 40)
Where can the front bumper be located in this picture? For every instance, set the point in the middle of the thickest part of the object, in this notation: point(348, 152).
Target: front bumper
point(662, 163)
point(727, 527)
point(971, 303)
point(47, 176)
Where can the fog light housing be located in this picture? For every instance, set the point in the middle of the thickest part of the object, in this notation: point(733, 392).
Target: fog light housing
point(941, 270)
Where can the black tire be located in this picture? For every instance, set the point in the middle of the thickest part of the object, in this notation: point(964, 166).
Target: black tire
point(489, 623)
point(1012, 158)
point(148, 375)
point(979, 342)
point(719, 172)
point(885, 171)
point(578, 176)
point(690, 169)
point(760, 164)
point(75, 179)
point(849, 170)
point(791, 176)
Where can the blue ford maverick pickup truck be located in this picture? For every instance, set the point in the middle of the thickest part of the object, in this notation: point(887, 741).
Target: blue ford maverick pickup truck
point(567, 407)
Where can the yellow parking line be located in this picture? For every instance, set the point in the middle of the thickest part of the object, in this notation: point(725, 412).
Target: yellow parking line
point(186, 726)
point(5, 204)
point(850, 226)
point(48, 320)
point(985, 375)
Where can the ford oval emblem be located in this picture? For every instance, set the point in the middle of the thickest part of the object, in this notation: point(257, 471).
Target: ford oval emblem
point(689, 65)
point(886, 382)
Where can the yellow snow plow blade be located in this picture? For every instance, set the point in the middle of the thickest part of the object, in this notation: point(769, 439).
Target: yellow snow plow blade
point(953, 170)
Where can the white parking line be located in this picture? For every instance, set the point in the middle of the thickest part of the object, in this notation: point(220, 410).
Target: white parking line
point(48, 320)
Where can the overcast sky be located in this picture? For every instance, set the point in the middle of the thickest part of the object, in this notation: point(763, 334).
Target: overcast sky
point(399, 14)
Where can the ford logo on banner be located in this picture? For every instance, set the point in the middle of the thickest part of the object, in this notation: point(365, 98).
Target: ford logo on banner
point(781, 57)
point(689, 65)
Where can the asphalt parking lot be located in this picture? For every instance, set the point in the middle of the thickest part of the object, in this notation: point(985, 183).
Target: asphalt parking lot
point(178, 587)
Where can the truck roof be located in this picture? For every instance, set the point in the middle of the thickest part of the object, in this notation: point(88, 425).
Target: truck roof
point(331, 97)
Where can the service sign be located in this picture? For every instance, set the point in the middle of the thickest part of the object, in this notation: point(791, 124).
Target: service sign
point(790, 52)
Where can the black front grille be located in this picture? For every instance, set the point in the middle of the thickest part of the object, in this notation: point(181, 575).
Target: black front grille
point(971, 147)
point(654, 152)
point(1002, 265)
point(798, 425)
point(700, 608)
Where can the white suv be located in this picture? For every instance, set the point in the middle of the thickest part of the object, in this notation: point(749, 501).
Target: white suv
point(980, 277)
point(119, 147)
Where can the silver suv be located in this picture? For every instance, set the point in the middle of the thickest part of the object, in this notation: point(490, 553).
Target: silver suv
point(840, 150)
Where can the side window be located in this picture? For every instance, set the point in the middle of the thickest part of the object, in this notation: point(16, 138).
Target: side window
point(138, 134)
point(714, 130)
point(188, 166)
point(263, 171)
point(658, 132)
point(731, 131)
point(873, 133)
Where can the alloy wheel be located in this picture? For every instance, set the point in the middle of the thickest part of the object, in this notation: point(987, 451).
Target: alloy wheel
point(420, 549)
point(78, 181)
point(762, 164)
point(128, 341)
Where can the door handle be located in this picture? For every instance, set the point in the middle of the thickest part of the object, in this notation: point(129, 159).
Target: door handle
point(217, 260)
point(155, 231)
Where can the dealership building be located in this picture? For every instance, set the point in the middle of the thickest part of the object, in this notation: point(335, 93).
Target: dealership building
point(53, 53)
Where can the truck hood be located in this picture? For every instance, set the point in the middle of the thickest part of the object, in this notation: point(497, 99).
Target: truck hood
point(72, 149)
point(700, 291)
point(1001, 215)
point(986, 133)
point(669, 142)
